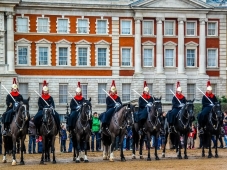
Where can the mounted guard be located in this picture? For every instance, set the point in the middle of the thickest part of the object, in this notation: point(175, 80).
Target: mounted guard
point(45, 101)
point(113, 103)
point(178, 102)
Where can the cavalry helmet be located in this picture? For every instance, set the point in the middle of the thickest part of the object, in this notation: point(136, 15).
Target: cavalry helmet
point(145, 87)
point(179, 87)
point(78, 89)
point(14, 85)
point(209, 86)
point(113, 87)
point(45, 87)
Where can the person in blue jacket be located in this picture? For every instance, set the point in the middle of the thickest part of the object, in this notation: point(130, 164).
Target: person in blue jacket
point(178, 102)
point(206, 107)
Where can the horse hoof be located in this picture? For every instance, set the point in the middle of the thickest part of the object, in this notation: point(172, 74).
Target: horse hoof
point(105, 158)
point(86, 161)
point(111, 160)
point(54, 162)
point(77, 161)
point(4, 161)
point(141, 157)
point(81, 159)
point(123, 159)
point(209, 156)
point(216, 156)
point(133, 157)
point(21, 162)
point(179, 157)
point(185, 157)
point(148, 159)
point(203, 155)
point(14, 163)
point(163, 156)
point(41, 162)
point(74, 159)
point(157, 158)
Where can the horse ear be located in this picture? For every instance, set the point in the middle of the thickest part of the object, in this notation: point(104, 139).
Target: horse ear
point(28, 98)
point(90, 99)
point(193, 100)
point(160, 97)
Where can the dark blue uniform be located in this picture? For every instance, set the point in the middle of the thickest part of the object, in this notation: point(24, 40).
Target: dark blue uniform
point(143, 110)
point(105, 117)
point(203, 115)
point(39, 114)
point(74, 112)
point(8, 115)
point(171, 116)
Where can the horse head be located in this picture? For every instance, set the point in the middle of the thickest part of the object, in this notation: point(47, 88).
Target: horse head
point(129, 114)
point(47, 111)
point(86, 110)
point(189, 108)
point(157, 104)
point(23, 109)
point(217, 111)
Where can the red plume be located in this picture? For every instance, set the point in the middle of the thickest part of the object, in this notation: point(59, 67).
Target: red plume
point(178, 84)
point(78, 84)
point(14, 81)
point(44, 83)
point(113, 83)
point(208, 83)
point(145, 84)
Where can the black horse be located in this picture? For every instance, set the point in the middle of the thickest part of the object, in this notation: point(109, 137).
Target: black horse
point(48, 131)
point(212, 127)
point(152, 126)
point(18, 128)
point(118, 124)
point(184, 118)
point(81, 132)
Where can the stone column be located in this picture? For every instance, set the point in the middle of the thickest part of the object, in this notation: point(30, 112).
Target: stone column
point(181, 69)
point(159, 47)
point(202, 46)
point(10, 43)
point(137, 46)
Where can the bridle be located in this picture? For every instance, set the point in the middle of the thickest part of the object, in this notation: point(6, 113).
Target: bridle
point(23, 117)
point(48, 119)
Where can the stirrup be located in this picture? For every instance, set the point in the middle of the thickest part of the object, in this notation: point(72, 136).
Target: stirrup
point(201, 131)
point(170, 130)
point(4, 132)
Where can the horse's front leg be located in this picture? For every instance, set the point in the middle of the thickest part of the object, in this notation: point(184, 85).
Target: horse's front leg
point(44, 149)
point(179, 146)
point(85, 148)
point(4, 160)
point(148, 146)
point(216, 147)
point(141, 143)
point(14, 162)
point(164, 146)
point(121, 145)
point(156, 146)
point(185, 146)
point(134, 144)
point(113, 143)
point(209, 144)
point(78, 148)
point(22, 150)
point(53, 149)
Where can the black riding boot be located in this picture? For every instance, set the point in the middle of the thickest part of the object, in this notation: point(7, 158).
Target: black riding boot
point(4, 132)
point(170, 128)
point(200, 127)
point(141, 128)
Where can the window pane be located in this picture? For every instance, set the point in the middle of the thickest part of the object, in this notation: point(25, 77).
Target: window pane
point(43, 55)
point(84, 90)
point(169, 57)
point(150, 86)
point(43, 25)
point(102, 56)
point(22, 55)
point(190, 28)
point(126, 57)
point(62, 25)
point(126, 88)
point(82, 56)
point(169, 26)
point(82, 26)
point(148, 27)
point(63, 93)
point(22, 24)
point(101, 27)
point(23, 87)
point(63, 55)
point(101, 93)
point(147, 57)
point(169, 95)
point(190, 57)
point(191, 91)
point(211, 58)
point(211, 28)
point(126, 27)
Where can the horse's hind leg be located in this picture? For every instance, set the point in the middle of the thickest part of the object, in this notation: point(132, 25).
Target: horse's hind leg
point(121, 145)
point(216, 146)
point(22, 151)
point(185, 146)
point(53, 149)
point(141, 146)
point(156, 145)
point(148, 147)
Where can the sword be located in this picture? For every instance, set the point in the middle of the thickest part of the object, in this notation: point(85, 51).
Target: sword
point(109, 96)
point(140, 96)
point(175, 96)
point(73, 98)
point(9, 93)
point(205, 96)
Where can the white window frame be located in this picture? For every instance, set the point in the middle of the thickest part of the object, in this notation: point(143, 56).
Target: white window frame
point(126, 20)
point(101, 93)
point(47, 44)
point(169, 95)
point(28, 24)
point(88, 26)
point(97, 28)
point(102, 44)
point(83, 44)
point(214, 88)
point(130, 56)
point(216, 58)
point(126, 91)
point(84, 88)
point(152, 29)
point(172, 46)
point(195, 28)
point(24, 90)
point(174, 29)
point(68, 25)
point(23, 43)
point(195, 59)
point(152, 57)
point(64, 94)
point(64, 44)
point(191, 91)
point(216, 28)
point(48, 26)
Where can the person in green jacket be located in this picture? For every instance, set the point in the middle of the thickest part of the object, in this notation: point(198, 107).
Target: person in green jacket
point(95, 132)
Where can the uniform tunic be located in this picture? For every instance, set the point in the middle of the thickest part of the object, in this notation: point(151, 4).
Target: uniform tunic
point(143, 110)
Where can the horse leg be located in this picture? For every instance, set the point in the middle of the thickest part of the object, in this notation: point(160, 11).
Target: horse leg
point(4, 160)
point(133, 146)
point(22, 150)
point(121, 145)
point(113, 139)
point(78, 149)
point(74, 149)
point(164, 147)
point(44, 149)
point(148, 146)
point(85, 149)
point(185, 146)
point(156, 146)
point(178, 145)
point(141, 146)
point(216, 147)
point(53, 149)
point(209, 144)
